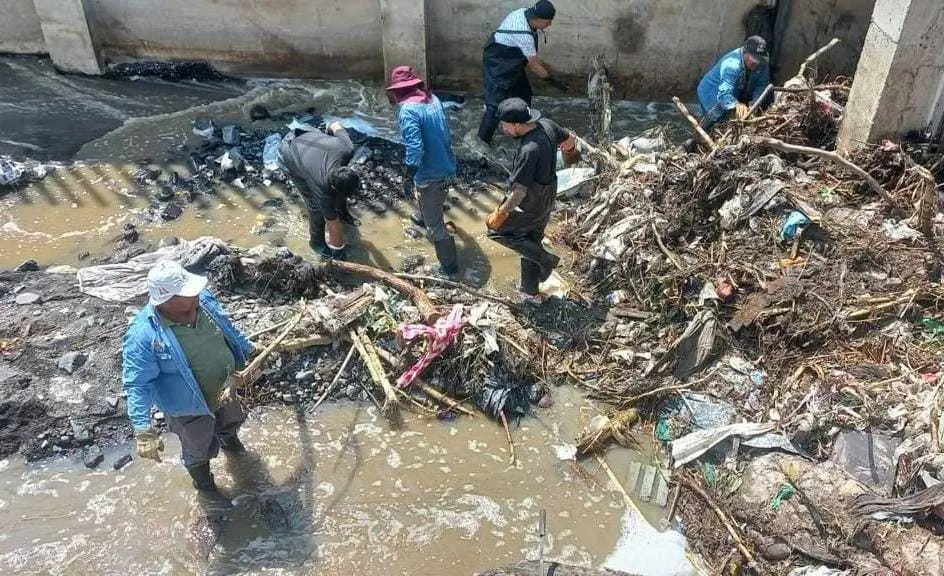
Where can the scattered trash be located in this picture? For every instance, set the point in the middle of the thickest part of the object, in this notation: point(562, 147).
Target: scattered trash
point(793, 224)
point(868, 457)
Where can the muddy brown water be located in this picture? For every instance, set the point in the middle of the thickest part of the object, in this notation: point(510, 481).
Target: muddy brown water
point(337, 492)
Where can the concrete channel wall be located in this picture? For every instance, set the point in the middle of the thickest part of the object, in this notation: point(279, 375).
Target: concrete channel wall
point(655, 48)
point(20, 32)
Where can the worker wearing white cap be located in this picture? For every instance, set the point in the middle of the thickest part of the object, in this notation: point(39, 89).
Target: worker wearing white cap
point(182, 353)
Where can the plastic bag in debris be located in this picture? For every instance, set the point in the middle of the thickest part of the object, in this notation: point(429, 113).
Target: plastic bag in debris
point(730, 211)
point(499, 396)
point(690, 447)
point(612, 243)
point(304, 124)
point(204, 128)
point(355, 123)
point(572, 182)
point(818, 571)
point(898, 231)
point(868, 457)
point(440, 336)
point(13, 173)
point(793, 223)
point(231, 135)
point(271, 158)
point(652, 141)
point(693, 348)
point(126, 281)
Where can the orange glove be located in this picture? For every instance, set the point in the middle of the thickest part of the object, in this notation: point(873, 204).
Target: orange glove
point(495, 220)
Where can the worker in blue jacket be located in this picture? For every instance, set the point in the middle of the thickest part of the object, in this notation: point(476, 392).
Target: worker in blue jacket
point(181, 353)
point(737, 80)
point(429, 162)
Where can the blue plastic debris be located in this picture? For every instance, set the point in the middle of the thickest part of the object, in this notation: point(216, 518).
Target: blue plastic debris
point(791, 227)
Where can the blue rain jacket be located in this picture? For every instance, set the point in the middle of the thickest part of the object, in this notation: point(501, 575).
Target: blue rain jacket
point(425, 130)
point(727, 80)
point(156, 370)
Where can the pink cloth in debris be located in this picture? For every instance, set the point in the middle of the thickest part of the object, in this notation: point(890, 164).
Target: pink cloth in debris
point(440, 336)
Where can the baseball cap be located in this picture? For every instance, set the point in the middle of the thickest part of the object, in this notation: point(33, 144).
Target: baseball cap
point(757, 48)
point(168, 279)
point(543, 9)
point(517, 111)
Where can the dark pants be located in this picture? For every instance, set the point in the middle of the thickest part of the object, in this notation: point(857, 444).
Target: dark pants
point(430, 199)
point(200, 436)
point(521, 88)
point(523, 232)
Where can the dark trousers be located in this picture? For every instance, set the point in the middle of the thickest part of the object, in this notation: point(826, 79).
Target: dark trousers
point(525, 239)
point(200, 436)
point(430, 199)
point(489, 123)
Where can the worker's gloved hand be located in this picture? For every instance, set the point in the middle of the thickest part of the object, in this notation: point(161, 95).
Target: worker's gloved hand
point(230, 392)
point(495, 220)
point(558, 83)
point(571, 156)
point(149, 444)
point(740, 111)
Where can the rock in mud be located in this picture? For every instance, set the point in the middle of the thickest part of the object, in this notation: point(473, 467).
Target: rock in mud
point(122, 462)
point(172, 211)
point(93, 457)
point(28, 266)
point(27, 298)
point(258, 112)
point(81, 432)
point(72, 361)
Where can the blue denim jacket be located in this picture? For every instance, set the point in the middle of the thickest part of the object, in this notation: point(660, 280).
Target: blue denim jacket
point(719, 89)
point(156, 370)
point(425, 130)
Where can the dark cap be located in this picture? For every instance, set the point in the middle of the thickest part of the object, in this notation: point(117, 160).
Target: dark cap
point(517, 111)
point(757, 47)
point(542, 9)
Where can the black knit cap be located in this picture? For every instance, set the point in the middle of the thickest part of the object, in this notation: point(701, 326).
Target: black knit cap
point(543, 9)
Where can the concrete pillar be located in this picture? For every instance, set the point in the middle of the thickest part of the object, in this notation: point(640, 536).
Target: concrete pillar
point(900, 77)
point(404, 34)
point(67, 35)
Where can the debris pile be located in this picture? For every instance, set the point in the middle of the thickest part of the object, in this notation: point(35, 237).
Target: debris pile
point(768, 294)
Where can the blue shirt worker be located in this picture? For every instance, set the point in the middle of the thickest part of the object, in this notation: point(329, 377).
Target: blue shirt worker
point(509, 53)
point(430, 163)
point(181, 353)
point(737, 80)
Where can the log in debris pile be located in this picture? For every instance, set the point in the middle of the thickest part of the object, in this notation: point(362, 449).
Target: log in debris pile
point(767, 296)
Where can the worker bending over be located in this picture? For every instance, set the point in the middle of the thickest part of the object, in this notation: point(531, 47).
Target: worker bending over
point(735, 82)
point(320, 161)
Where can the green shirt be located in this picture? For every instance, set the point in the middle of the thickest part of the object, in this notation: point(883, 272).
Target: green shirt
point(210, 357)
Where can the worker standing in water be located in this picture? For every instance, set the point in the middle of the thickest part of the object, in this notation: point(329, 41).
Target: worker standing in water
point(182, 353)
point(509, 53)
point(735, 82)
point(429, 161)
point(520, 220)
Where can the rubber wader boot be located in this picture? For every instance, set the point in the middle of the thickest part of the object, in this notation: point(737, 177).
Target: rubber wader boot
point(448, 256)
point(232, 445)
point(202, 478)
point(530, 277)
point(552, 261)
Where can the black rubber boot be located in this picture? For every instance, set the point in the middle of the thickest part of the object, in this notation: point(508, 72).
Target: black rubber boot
point(530, 277)
point(232, 445)
point(202, 478)
point(550, 263)
point(448, 256)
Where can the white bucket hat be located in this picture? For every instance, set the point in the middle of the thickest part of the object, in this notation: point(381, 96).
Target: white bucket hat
point(168, 279)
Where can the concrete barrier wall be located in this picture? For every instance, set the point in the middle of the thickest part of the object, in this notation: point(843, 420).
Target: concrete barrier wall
point(19, 28)
point(804, 26)
point(316, 38)
point(655, 48)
